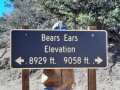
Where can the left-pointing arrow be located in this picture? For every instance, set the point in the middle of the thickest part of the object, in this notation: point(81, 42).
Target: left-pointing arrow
point(19, 60)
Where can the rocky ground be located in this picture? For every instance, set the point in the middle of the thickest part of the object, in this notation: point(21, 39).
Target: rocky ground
point(10, 79)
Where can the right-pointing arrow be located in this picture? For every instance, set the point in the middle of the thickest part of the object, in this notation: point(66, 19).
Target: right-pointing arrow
point(98, 60)
point(19, 60)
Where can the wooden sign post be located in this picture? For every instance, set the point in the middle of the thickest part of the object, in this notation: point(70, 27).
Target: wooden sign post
point(25, 72)
point(92, 72)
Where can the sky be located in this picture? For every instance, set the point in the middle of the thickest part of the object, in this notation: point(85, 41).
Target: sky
point(4, 9)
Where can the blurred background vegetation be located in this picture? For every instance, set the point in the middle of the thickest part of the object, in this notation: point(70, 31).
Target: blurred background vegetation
point(77, 14)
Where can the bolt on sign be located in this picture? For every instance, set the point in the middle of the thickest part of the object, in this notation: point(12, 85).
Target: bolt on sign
point(58, 49)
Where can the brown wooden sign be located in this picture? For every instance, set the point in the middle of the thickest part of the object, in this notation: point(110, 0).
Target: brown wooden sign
point(25, 72)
